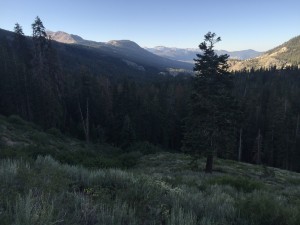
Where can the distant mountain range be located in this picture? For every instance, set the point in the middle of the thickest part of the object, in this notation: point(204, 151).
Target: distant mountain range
point(188, 54)
point(284, 55)
point(130, 52)
point(126, 55)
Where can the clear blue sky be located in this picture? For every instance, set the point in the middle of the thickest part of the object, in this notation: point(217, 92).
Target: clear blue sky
point(242, 24)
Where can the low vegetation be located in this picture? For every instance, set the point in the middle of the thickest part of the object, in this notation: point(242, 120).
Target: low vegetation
point(45, 191)
point(158, 188)
point(20, 139)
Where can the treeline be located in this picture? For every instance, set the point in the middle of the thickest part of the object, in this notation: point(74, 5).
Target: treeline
point(101, 101)
point(269, 101)
point(108, 103)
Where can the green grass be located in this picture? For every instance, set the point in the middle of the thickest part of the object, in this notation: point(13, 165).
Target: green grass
point(20, 139)
point(239, 183)
point(45, 191)
point(99, 184)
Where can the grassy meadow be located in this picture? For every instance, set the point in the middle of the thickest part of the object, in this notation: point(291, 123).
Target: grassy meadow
point(47, 178)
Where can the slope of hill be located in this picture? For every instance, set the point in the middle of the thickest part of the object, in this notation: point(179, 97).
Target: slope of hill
point(286, 54)
point(125, 49)
point(64, 37)
point(21, 139)
point(187, 55)
point(114, 59)
point(162, 188)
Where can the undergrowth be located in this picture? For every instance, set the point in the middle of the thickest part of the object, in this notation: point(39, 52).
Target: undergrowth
point(44, 191)
point(48, 178)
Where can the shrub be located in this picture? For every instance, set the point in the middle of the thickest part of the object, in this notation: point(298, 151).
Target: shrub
point(34, 208)
point(55, 132)
point(219, 206)
point(261, 208)
point(15, 119)
point(179, 217)
point(129, 159)
point(8, 171)
point(144, 147)
point(119, 213)
point(293, 181)
point(239, 183)
point(40, 138)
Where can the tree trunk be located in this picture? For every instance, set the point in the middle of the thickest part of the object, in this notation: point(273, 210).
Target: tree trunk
point(297, 126)
point(85, 122)
point(259, 141)
point(28, 111)
point(271, 158)
point(209, 163)
point(240, 146)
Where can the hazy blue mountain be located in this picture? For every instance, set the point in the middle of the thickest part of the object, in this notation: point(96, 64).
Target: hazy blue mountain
point(188, 54)
point(127, 50)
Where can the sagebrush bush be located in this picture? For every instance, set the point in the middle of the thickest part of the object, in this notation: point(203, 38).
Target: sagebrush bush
point(262, 208)
point(218, 205)
point(55, 132)
point(119, 213)
point(179, 217)
point(8, 171)
point(144, 147)
point(17, 120)
point(129, 159)
point(45, 191)
point(239, 183)
point(34, 208)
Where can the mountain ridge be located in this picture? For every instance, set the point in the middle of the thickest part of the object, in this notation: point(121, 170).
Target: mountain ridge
point(188, 54)
point(124, 49)
point(286, 54)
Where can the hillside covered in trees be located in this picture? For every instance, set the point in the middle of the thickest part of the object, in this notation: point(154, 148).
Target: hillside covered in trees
point(286, 54)
point(101, 99)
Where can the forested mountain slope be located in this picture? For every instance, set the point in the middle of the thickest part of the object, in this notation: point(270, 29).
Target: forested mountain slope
point(127, 50)
point(287, 54)
point(75, 89)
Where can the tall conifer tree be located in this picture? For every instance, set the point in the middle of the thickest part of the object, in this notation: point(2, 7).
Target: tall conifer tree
point(208, 125)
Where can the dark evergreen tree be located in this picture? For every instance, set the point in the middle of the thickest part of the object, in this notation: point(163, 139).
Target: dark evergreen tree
point(47, 81)
point(39, 34)
point(208, 127)
point(128, 135)
point(22, 58)
point(18, 31)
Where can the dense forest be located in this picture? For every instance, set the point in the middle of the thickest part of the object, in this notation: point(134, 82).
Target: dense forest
point(105, 101)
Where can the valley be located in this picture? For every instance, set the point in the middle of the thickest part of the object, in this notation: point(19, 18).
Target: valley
point(116, 134)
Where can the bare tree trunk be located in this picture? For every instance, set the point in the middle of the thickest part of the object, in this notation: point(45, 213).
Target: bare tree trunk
point(209, 159)
point(245, 91)
point(259, 147)
point(209, 163)
point(28, 112)
point(272, 149)
point(85, 122)
point(285, 107)
point(240, 146)
point(297, 127)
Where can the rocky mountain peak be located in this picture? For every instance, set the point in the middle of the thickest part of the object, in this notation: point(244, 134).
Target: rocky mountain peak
point(124, 44)
point(64, 37)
